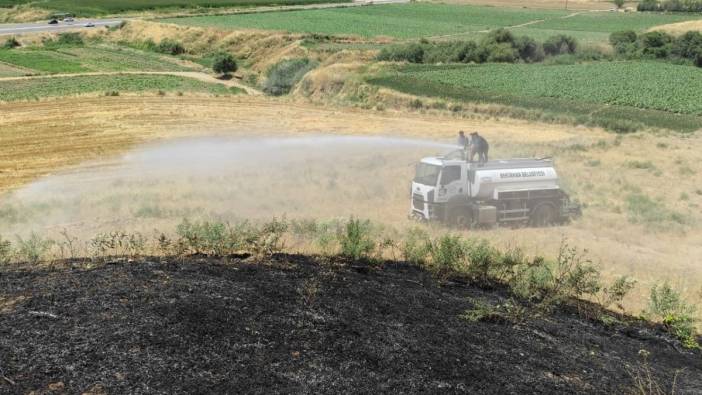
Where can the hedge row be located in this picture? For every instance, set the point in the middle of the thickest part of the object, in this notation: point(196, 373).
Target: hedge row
point(498, 46)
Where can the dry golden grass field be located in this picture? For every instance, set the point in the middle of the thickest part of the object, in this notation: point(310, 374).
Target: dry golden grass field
point(52, 140)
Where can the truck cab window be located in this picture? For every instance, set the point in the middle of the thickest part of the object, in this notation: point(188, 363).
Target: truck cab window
point(450, 174)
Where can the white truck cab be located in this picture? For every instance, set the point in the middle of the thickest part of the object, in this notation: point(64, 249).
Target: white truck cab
point(451, 190)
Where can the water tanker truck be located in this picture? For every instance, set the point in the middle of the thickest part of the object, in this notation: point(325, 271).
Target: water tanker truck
point(456, 192)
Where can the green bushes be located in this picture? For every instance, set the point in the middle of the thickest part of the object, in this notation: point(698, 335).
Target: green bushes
point(220, 239)
point(670, 5)
point(498, 46)
point(33, 249)
point(224, 63)
point(284, 75)
point(658, 45)
point(560, 45)
point(71, 39)
point(170, 47)
point(6, 251)
point(11, 43)
point(357, 242)
point(668, 306)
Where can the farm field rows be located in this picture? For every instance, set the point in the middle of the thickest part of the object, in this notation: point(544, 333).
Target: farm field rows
point(394, 20)
point(650, 93)
point(28, 89)
point(651, 85)
point(10, 71)
point(87, 59)
point(407, 21)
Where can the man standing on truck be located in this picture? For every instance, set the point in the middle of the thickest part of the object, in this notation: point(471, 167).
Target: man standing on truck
point(462, 144)
point(480, 146)
point(462, 140)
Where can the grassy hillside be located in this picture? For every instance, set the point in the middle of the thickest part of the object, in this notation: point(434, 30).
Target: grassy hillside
point(27, 89)
point(606, 92)
point(425, 20)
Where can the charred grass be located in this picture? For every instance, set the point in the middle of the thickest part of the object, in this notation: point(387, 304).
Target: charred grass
point(290, 323)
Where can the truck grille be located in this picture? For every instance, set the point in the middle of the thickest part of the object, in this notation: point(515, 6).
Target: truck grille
point(418, 202)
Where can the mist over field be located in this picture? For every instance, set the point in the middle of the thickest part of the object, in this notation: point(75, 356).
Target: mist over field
point(226, 179)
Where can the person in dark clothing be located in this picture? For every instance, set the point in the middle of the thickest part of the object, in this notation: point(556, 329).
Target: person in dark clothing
point(480, 146)
point(462, 140)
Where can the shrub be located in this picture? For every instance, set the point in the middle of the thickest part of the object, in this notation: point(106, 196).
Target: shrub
point(205, 237)
point(622, 37)
point(668, 305)
point(499, 36)
point(117, 243)
point(70, 39)
point(6, 251)
point(284, 75)
point(444, 52)
point(618, 3)
point(688, 46)
point(33, 249)
point(412, 53)
point(357, 242)
point(224, 63)
point(269, 237)
point(482, 259)
point(656, 43)
point(529, 50)
point(560, 44)
point(415, 246)
point(617, 291)
point(11, 43)
point(170, 47)
point(448, 254)
point(501, 53)
point(648, 5)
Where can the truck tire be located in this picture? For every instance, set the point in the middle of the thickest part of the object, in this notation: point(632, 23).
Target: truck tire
point(460, 217)
point(544, 214)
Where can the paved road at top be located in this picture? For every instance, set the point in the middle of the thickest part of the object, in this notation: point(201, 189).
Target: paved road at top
point(22, 28)
point(40, 27)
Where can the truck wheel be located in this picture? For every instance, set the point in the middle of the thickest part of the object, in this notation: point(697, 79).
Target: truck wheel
point(461, 218)
point(543, 215)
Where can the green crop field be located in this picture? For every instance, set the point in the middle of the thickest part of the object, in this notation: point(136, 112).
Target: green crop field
point(395, 20)
point(85, 59)
point(10, 71)
point(41, 61)
point(650, 93)
point(407, 21)
point(28, 89)
point(102, 7)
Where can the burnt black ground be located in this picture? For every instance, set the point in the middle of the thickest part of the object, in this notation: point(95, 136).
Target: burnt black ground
point(295, 325)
